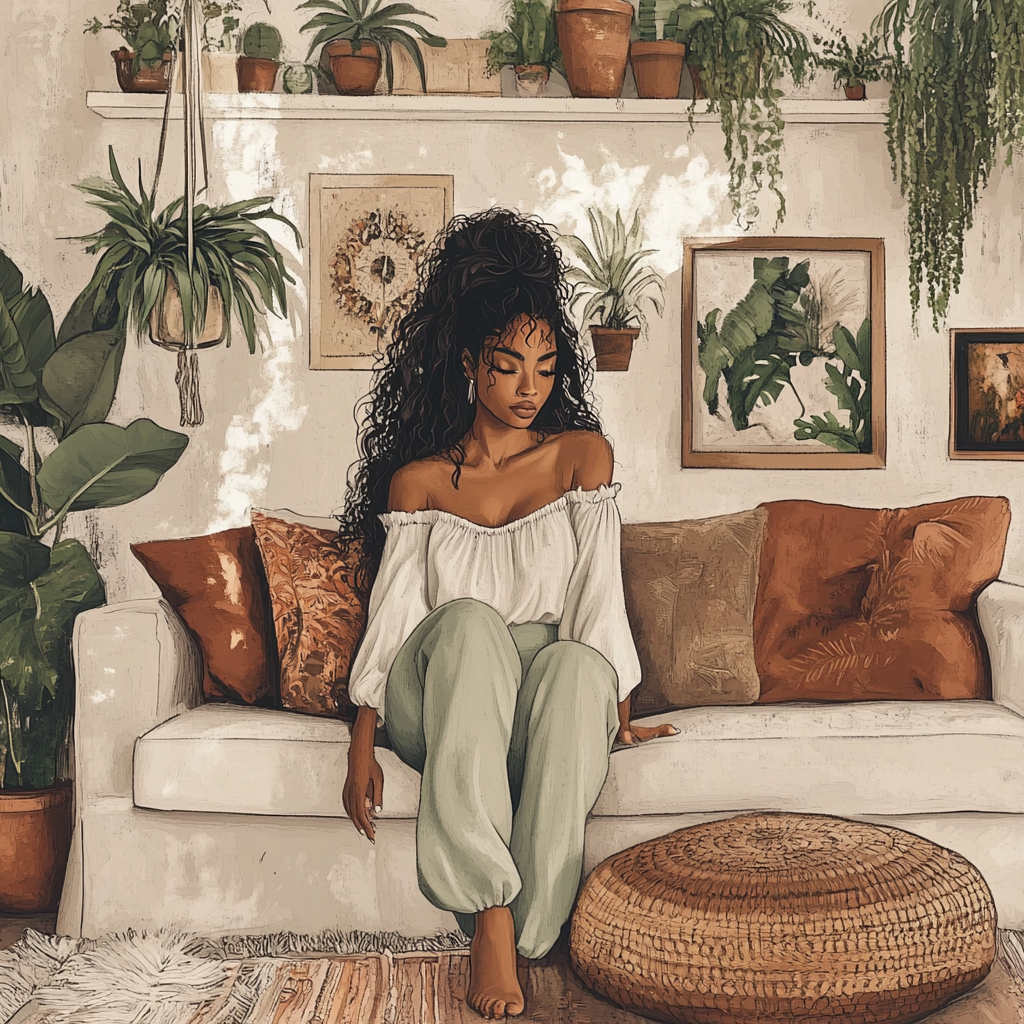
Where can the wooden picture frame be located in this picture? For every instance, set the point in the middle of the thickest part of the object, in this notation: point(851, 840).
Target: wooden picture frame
point(846, 285)
point(368, 234)
point(986, 418)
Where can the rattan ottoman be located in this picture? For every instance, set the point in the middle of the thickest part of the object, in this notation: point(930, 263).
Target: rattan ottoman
point(784, 917)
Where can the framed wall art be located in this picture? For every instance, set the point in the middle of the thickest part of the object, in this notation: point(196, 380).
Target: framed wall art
point(368, 235)
point(987, 394)
point(784, 353)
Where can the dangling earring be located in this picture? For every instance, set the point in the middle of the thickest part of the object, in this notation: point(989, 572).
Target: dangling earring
point(472, 391)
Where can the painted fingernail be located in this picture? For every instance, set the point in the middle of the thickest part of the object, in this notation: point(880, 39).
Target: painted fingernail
point(377, 809)
point(361, 832)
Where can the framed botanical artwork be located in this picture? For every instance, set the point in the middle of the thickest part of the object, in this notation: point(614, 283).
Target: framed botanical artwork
point(987, 394)
point(784, 353)
point(368, 234)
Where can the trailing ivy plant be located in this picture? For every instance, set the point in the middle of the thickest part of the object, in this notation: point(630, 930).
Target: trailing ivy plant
point(742, 48)
point(956, 106)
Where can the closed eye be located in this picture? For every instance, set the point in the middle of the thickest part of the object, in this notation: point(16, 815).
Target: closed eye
point(548, 373)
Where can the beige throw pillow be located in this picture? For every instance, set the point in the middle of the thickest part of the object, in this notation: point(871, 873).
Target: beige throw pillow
point(690, 593)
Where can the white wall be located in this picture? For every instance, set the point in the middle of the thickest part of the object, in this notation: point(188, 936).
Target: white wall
point(278, 434)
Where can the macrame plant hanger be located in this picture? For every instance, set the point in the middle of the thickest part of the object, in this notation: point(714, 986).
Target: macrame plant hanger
point(187, 376)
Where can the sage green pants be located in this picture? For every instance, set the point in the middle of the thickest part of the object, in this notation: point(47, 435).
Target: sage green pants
point(511, 729)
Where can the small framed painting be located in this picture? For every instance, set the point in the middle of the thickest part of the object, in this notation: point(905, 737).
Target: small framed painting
point(784, 353)
point(987, 396)
point(368, 234)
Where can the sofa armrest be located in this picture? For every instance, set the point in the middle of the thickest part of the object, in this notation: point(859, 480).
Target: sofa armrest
point(136, 665)
point(1001, 613)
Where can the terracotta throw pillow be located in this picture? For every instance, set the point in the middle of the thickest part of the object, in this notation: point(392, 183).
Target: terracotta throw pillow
point(690, 593)
point(318, 614)
point(216, 584)
point(876, 604)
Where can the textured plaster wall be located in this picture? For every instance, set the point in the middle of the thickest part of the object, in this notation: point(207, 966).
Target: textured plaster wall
point(278, 434)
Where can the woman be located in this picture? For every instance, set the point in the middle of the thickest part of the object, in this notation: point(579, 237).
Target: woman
point(497, 652)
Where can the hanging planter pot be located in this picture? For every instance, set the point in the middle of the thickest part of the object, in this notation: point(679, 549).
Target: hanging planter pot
point(613, 348)
point(355, 72)
point(657, 68)
point(594, 39)
point(142, 78)
point(531, 80)
point(35, 837)
point(167, 320)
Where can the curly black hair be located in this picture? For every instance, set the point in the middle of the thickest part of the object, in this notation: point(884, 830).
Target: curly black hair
point(482, 271)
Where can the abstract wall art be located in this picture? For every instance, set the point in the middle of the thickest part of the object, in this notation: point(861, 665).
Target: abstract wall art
point(784, 353)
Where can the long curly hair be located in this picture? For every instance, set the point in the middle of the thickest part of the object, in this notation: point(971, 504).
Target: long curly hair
point(482, 271)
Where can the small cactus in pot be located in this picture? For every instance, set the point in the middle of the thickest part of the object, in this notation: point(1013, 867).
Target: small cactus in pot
point(261, 49)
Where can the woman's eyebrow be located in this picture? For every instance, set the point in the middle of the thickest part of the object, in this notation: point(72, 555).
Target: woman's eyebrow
point(515, 355)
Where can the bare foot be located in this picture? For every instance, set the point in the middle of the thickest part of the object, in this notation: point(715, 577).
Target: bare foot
point(493, 986)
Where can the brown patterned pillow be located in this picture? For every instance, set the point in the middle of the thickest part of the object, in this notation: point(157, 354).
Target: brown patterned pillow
point(319, 615)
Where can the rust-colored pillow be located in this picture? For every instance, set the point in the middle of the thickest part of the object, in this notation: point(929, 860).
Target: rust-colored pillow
point(319, 615)
point(216, 584)
point(690, 592)
point(876, 604)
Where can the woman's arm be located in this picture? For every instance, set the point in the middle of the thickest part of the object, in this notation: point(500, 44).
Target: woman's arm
point(363, 794)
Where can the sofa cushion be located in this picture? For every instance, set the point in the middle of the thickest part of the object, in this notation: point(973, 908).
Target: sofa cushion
point(237, 760)
point(870, 604)
point(690, 591)
point(879, 757)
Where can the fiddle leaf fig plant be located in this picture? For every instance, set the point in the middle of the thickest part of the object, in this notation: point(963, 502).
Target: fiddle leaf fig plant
point(61, 384)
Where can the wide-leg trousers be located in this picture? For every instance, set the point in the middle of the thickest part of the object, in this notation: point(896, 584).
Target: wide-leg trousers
point(511, 729)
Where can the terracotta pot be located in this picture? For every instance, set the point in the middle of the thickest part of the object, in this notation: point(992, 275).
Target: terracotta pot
point(657, 68)
point(355, 73)
point(698, 85)
point(35, 837)
point(612, 348)
point(143, 79)
point(531, 79)
point(594, 38)
point(856, 92)
point(167, 326)
point(256, 74)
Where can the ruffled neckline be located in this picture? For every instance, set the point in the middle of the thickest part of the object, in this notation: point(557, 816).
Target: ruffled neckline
point(428, 517)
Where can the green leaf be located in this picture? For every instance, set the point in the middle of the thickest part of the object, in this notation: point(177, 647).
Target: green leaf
point(34, 321)
point(17, 381)
point(80, 378)
point(864, 350)
point(102, 465)
point(846, 347)
point(16, 485)
point(829, 431)
point(12, 284)
point(839, 386)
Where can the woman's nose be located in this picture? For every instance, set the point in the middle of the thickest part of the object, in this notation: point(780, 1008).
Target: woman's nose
point(527, 384)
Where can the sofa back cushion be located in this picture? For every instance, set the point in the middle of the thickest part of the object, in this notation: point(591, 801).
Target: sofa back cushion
point(875, 604)
point(690, 592)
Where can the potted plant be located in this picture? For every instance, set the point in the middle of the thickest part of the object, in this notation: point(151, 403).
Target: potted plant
point(739, 49)
point(144, 263)
point(853, 68)
point(954, 112)
point(220, 37)
point(657, 63)
point(151, 34)
point(615, 280)
point(58, 384)
point(261, 57)
point(529, 43)
point(297, 77)
point(594, 39)
point(358, 37)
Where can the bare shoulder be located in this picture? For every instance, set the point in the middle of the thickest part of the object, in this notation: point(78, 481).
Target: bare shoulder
point(411, 486)
point(590, 456)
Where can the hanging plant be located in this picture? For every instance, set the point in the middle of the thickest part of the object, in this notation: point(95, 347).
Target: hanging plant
point(741, 48)
point(956, 105)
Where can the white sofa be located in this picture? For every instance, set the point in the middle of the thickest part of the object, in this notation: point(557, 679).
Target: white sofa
point(227, 819)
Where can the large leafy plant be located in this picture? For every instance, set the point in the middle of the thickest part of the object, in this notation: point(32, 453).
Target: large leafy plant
point(614, 279)
point(955, 109)
point(60, 384)
point(742, 48)
point(150, 28)
point(529, 37)
point(361, 21)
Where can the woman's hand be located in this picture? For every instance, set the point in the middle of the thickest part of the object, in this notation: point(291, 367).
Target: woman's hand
point(363, 795)
point(633, 734)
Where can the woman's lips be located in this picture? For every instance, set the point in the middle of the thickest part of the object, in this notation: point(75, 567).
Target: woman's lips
point(524, 410)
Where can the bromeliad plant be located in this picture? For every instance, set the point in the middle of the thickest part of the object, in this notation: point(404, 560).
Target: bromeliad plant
point(742, 48)
point(60, 384)
point(529, 38)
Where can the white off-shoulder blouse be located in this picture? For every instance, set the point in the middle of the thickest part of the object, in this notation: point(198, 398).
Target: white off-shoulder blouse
point(560, 564)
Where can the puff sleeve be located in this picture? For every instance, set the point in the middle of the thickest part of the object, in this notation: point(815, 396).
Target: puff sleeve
point(595, 603)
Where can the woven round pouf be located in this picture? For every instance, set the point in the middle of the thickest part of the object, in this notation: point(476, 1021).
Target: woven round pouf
point(784, 917)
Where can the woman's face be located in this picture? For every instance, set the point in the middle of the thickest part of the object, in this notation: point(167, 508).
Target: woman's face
point(516, 374)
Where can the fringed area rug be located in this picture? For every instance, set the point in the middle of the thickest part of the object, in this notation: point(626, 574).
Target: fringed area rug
point(333, 978)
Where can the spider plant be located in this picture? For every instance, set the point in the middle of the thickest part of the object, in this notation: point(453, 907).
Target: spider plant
point(742, 48)
point(367, 21)
point(615, 279)
point(528, 38)
point(143, 249)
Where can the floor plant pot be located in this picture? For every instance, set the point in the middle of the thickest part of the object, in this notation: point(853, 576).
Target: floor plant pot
point(657, 68)
point(355, 73)
point(35, 837)
point(256, 74)
point(531, 79)
point(613, 347)
point(166, 324)
point(142, 78)
point(856, 92)
point(594, 39)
